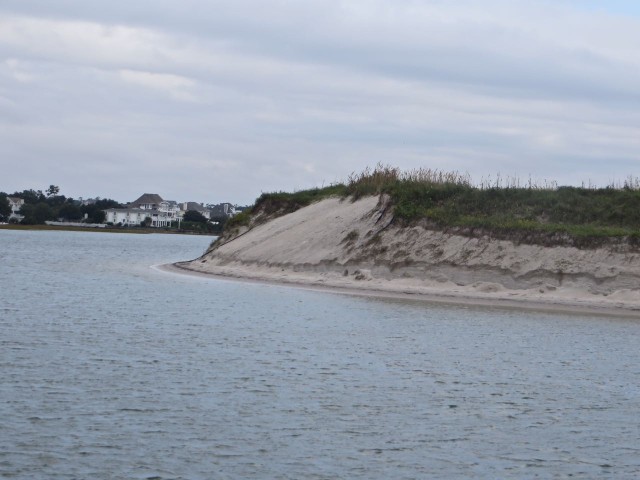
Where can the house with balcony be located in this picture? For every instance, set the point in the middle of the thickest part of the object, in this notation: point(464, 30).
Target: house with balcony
point(150, 205)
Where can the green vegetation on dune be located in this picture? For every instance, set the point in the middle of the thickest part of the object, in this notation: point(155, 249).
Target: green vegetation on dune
point(281, 203)
point(445, 200)
point(450, 200)
point(290, 202)
point(564, 209)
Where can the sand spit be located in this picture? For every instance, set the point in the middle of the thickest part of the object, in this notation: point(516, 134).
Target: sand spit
point(356, 246)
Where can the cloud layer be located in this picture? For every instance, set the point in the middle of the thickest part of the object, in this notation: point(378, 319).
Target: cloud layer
point(218, 101)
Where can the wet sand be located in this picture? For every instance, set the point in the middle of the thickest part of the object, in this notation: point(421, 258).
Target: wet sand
point(355, 247)
point(454, 296)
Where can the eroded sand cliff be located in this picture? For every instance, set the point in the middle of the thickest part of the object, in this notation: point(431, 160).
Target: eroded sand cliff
point(356, 245)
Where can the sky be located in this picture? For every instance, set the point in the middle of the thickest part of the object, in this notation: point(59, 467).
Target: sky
point(219, 101)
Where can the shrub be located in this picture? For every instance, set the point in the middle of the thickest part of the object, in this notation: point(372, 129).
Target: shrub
point(194, 216)
point(241, 219)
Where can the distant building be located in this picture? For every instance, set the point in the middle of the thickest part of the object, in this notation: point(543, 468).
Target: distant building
point(197, 207)
point(150, 205)
point(222, 211)
point(16, 204)
point(173, 206)
point(148, 201)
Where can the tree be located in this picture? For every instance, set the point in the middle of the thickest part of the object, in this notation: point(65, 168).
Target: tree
point(36, 214)
point(42, 212)
point(95, 211)
point(5, 208)
point(31, 196)
point(98, 217)
point(194, 216)
point(27, 213)
point(69, 211)
point(53, 190)
point(56, 200)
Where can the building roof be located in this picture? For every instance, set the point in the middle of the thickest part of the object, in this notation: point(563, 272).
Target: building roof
point(132, 210)
point(222, 209)
point(195, 206)
point(148, 199)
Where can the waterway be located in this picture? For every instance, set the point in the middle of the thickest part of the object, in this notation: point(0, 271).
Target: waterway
point(112, 369)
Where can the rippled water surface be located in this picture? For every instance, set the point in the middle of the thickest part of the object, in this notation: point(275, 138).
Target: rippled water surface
point(112, 369)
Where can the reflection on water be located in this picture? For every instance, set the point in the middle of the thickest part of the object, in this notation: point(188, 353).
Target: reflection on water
point(111, 369)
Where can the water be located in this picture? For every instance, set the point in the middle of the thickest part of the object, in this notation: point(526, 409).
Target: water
point(111, 369)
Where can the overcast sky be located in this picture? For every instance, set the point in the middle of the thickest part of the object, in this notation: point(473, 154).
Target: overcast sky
point(211, 101)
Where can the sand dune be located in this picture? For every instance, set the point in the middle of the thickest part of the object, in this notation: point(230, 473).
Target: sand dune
point(355, 246)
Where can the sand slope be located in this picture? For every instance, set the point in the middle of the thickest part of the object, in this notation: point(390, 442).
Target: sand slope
point(355, 245)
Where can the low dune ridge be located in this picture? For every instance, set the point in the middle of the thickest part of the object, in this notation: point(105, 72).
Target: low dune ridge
point(357, 245)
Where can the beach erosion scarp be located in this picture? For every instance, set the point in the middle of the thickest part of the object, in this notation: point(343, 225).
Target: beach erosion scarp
point(356, 246)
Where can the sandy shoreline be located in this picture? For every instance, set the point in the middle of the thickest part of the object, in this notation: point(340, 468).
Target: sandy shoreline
point(462, 297)
point(355, 247)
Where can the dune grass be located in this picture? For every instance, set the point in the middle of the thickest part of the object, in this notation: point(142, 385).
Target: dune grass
point(450, 199)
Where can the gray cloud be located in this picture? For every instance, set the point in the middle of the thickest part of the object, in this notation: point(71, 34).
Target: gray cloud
point(214, 101)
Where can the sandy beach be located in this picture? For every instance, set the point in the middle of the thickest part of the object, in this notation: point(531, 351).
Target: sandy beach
point(355, 248)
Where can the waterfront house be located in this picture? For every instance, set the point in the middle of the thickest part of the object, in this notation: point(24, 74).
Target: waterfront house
point(150, 205)
point(16, 204)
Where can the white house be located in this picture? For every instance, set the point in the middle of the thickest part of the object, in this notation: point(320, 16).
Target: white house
point(149, 205)
point(16, 204)
point(127, 216)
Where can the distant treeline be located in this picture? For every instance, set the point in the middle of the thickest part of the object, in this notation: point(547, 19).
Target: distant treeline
point(41, 206)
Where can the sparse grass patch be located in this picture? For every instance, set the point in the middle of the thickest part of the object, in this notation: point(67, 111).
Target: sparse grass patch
point(375, 239)
point(351, 237)
point(386, 179)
